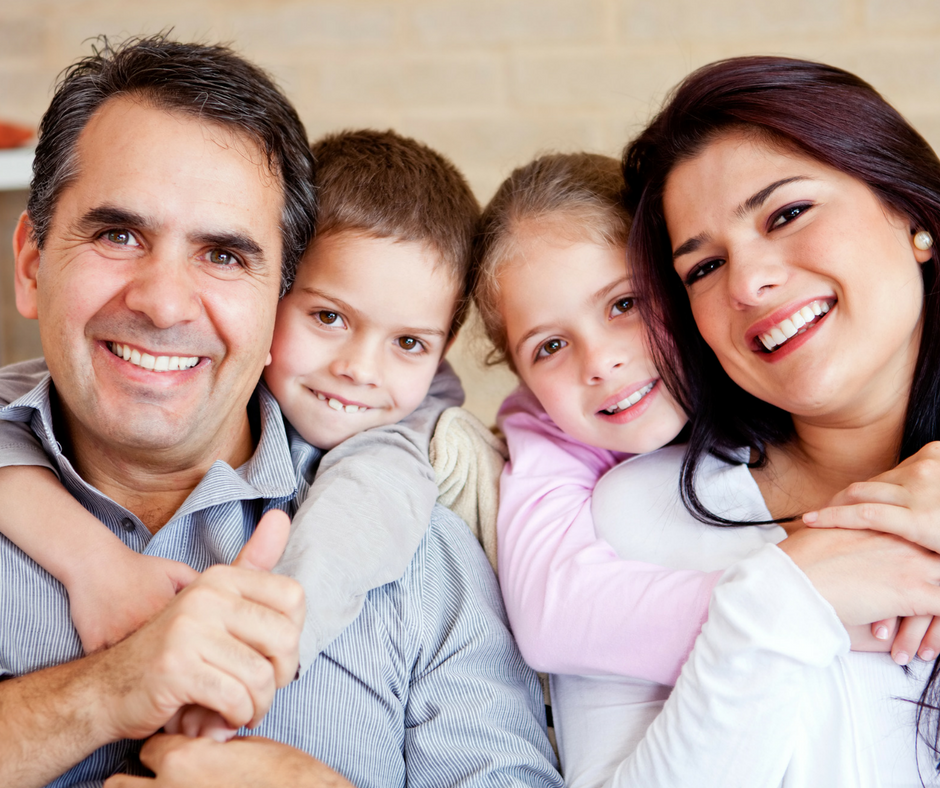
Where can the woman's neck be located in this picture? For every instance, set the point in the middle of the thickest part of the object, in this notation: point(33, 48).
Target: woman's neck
point(823, 459)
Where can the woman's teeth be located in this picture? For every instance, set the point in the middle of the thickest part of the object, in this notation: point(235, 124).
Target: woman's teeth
point(793, 325)
point(630, 401)
point(337, 405)
point(154, 363)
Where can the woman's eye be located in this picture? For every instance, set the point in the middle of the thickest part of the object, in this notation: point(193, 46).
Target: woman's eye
point(121, 237)
point(410, 344)
point(702, 270)
point(549, 348)
point(329, 318)
point(788, 214)
point(622, 305)
point(222, 258)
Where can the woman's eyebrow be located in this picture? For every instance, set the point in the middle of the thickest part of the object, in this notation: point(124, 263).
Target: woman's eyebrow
point(755, 201)
point(752, 203)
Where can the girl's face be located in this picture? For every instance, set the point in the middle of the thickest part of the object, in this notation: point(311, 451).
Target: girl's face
point(578, 343)
point(804, 284)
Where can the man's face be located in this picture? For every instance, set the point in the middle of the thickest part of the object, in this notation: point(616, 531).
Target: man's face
point(157, 287)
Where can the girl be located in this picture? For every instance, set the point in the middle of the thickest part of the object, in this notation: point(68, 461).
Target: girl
point(560, 306)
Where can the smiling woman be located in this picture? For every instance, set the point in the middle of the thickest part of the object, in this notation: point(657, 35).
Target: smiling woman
point(784, 216)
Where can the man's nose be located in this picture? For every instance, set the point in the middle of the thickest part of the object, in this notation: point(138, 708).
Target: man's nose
point(165, 289)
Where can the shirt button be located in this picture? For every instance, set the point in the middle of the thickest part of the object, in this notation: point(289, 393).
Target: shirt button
point(128, 524)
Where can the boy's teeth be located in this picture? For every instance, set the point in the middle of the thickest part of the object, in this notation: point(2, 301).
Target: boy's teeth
point(337, 405)
point(154, 363)
point(793, 325)
point(632, 400)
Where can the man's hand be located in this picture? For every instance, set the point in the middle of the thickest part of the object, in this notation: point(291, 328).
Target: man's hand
point(181, 762)
point(224, 643)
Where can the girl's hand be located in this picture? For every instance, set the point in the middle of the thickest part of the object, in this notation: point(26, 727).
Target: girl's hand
point(904, 501)
point(120, 593)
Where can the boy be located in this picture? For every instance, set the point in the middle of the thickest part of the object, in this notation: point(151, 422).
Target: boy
point(356, 367)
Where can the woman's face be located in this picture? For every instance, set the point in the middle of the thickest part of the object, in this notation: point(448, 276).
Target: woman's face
point(804, 284)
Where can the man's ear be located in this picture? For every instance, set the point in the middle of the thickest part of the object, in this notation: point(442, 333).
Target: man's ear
point(26, 268)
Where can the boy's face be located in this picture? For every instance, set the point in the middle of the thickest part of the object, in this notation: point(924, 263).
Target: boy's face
point(578, 342)
point(360, 335)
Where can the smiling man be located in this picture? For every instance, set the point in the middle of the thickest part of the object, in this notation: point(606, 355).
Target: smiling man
point(171, 200)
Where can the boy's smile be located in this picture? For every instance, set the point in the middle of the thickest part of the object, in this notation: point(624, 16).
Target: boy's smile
point(359, 337)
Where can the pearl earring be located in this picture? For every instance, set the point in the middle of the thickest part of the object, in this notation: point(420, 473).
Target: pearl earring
point(923, 241)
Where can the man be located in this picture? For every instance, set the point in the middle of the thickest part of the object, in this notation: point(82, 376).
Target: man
point(171, 201)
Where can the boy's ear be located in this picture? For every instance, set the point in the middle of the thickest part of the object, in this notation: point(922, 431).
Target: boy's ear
point(26, 268)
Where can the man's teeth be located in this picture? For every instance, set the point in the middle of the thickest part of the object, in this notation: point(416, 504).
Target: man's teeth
point(154, 363)
point(632, 400)
point(793, 325)
point(337, 405)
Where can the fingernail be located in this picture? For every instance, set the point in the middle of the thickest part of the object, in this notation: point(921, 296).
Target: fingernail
point(881, 633)
point(927, 655)
point(810, 517)
point(901, 658)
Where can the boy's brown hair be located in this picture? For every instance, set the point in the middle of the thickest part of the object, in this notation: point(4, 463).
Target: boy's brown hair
point(577, 195)
point(384, 185)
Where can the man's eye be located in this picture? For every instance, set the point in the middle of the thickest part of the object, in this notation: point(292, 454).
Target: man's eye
point(703, 270)
point(410, 344)
point(121, 238)
point(622, 305)
point(329, 318)
point(550, 347)
point(222, 258)
point(788, 214)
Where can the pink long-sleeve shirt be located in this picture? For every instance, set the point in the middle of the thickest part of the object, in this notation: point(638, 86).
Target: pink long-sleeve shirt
point(574, 605)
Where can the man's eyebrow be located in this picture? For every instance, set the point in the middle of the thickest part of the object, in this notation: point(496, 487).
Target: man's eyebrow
point(110, 215)
point(752, 203)
point(755, 201)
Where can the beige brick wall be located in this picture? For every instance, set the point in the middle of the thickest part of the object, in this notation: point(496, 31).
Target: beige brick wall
point(491, 82)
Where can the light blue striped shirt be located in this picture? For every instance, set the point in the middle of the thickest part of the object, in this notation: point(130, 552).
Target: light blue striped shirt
point(426, 687)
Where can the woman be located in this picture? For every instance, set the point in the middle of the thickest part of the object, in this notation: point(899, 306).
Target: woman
point(784, 217)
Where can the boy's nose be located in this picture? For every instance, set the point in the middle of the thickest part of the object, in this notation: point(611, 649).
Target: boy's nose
point(359, 364)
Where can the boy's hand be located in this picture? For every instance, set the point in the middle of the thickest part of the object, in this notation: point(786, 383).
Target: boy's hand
point(121, 594)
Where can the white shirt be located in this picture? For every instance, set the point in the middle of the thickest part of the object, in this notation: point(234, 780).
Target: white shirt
point(770, 696)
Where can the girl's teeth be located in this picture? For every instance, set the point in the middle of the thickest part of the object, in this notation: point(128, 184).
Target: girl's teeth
point(154, 363)
point(632, 400)
point(793, 325)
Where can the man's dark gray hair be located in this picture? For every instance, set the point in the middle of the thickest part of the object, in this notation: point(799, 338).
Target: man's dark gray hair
point(207, 82)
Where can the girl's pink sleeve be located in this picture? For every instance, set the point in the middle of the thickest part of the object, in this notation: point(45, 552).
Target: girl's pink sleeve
point(574, 606)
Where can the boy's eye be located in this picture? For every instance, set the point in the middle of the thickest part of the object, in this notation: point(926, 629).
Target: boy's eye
point(328, 318)
point(222, 258)
point(702, 270)
point(550, 347)
point(120, 237)
point(410, 344)
point(622, 305)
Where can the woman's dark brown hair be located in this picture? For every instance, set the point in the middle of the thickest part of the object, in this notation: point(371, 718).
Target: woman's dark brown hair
point(839, 120)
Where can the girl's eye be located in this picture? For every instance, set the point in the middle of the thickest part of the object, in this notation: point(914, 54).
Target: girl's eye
point(549, 348)
point(328, 318)
point(788, 214)
point(622, 305)
point(410, 344)
point(222, 258)
point(702, 270)
point(121, 237)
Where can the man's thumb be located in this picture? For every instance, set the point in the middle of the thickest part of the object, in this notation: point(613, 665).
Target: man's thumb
point(267, 543)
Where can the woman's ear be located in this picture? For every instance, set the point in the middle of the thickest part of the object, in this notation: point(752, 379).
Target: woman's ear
point(26, 268)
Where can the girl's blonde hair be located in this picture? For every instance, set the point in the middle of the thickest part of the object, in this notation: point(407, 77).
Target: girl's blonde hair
point(577, 195)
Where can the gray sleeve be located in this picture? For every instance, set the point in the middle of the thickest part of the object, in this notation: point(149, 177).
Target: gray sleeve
point(367, 511)
point(18, 444)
